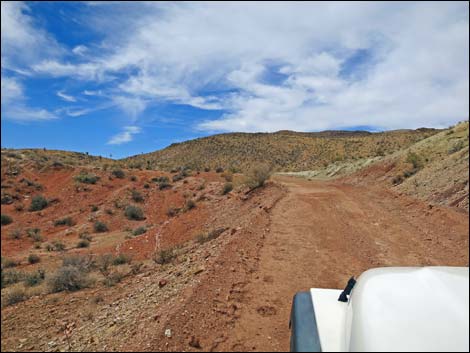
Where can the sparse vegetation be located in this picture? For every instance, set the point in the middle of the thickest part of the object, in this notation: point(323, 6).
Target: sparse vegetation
point(119, 173)
point(83, 243)
point(15, 234)
point(16, 295)
point(139, 231)
point(136, 196)
point(121, 259)
point(189, 205)
point(171, 212)
point(214, 234)
point(134, 213)
point(58, 245)
point(86, 178)
point(165, 256)
point(35, 278)
point(9, 263)
point(33, 259)
point(258, 175)
point(94, 208)
point(67, 221)
point(38, 203)
point(227, 188)
point(100, 227)
point(6, 219)
point(69, 278)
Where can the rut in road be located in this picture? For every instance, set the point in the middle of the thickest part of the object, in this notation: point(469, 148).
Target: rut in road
point(322, 233)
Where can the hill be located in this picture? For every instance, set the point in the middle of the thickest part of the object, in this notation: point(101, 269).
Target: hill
point(283, 150)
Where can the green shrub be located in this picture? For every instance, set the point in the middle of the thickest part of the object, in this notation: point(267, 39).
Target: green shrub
point(133, 178)
point(137, 196)
point(134, 213)
point(83, 243)
point(164, 185)
point(139, 231)
point(121, 259)
point(58, 245)
point(161, 179)
point(69, 278)
point(35, 278)
point(257, 176)
point(11, 277)
point(86, 178)
point(113, 278)
point(207, 169)
point(5, 219)
point(227, 188)
point(15, 234)
point(414, 159)
point(49, 247)
point(100, 227)
point(33, 259)
point(94, 208)
point(219, 170)
point(190, 204)
point(34, 233)
point(38, 203)
point(68, 221)
point(165, 256)
point(146, 186)
point(15, 296)
point(119, 173)
point(9, 263)
point(85, 236)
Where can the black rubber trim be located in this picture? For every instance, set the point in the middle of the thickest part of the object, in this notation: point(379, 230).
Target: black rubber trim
point(303, 325)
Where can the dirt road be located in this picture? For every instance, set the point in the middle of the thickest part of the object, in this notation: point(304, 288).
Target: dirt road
point(322, 233)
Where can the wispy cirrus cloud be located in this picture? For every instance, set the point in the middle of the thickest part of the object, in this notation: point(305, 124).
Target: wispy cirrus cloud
point(66, 97)
point(125, 136)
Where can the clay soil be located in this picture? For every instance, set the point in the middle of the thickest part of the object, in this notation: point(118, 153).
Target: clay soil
point(234, 293)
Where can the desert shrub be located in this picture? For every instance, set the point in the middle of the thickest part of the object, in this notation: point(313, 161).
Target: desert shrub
point(86, 178)
point(58, 245)
point(37, 245)
point(33, 259)
point(456, 147)
point(121, 259)
point(189, 205)
point(177, 177)
point(171, 212)
point(9, 263)
point(165, 256)
point(85, 236)
point(94, 208)
point(137, 196)
point(134, 213)
point(19, 207)
point(118, 173)
point(83, 263)
point(109, 211)
point(397, 180)
point(414, 159)
point(139, 231)
point(69, 278)
point(214, 234)
point(113, 278)
point(35, 278)
point(409, 173)
point(5, 219)
point(257, 176)
point(83, 243)
point(207, 169)
point(133, 178)
point(202, 186)
point(67, 221)
point(227, 188)
point(161, 179)
point(38, 203)
point(146, 186)
point(100, 227)
point(103, 263)
point(49, 247)
point(228, 176)
point(34, 233)
point(219, 170)
point(16, 295)
point(11, 277)
point(164, 185)
point(15, 234)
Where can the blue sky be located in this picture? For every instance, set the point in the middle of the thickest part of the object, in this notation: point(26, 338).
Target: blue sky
point(125, 78)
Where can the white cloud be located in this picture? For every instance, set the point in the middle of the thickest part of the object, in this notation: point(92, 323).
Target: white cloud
point(80, 50)
point(131, 106)
point(14, 105)
point(125, 136)
point(66, 97)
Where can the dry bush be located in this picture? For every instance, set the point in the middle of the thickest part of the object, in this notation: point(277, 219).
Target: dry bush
point(257, 176)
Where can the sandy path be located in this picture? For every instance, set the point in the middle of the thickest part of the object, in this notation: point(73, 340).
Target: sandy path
point(322, 233)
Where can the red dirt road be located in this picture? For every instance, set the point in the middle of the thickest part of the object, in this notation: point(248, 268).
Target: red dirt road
point(322, 233)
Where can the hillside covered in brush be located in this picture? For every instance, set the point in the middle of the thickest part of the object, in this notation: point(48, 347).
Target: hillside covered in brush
point(283, 150)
